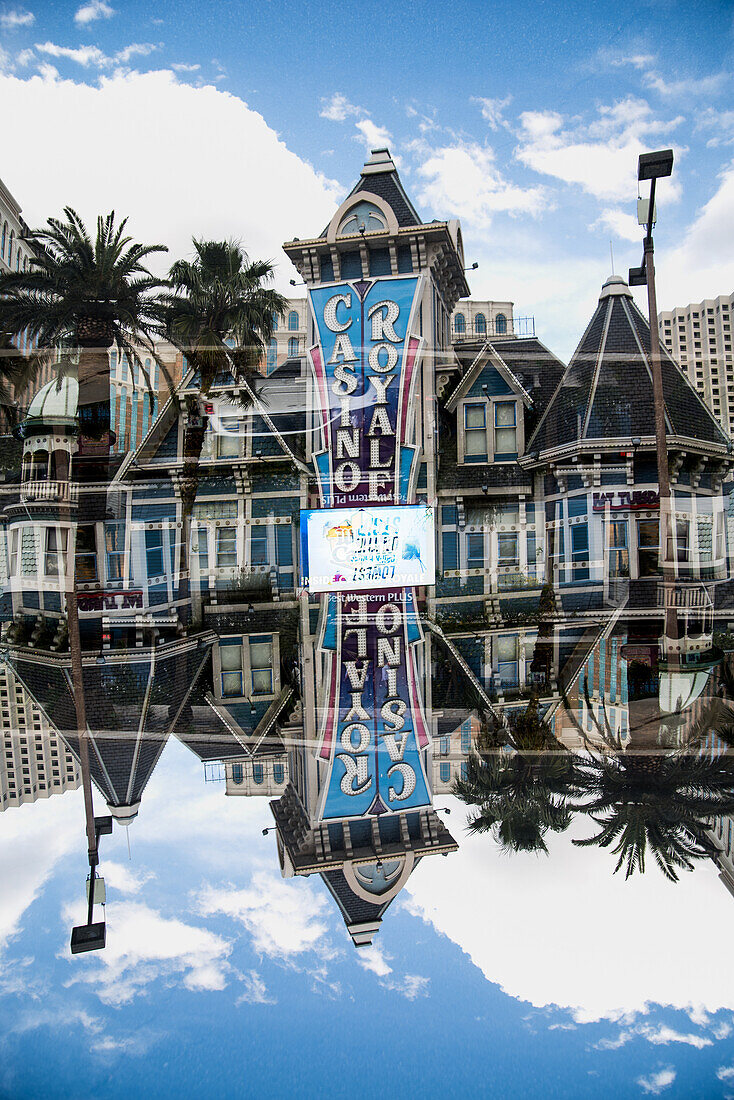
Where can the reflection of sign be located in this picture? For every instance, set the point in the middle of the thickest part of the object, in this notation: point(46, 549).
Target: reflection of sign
point(353, 549)
point(374, 729)
point(636, 501)
point(107, 601)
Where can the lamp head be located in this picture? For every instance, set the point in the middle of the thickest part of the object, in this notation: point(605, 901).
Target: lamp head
point(653, 166)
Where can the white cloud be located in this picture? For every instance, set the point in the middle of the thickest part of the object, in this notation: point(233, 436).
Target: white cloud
point(144, 946)
point(371, 135)
point(720, 123)
point(463, 181)
point(92, 55)
point(725, 1073)
point(662, 1034)
point(413, 986)
point(337, 108)
point(373, 958)
point(702, 264)
point(284, 919)
point(122, 879)
point(285, 198)
point(618, 979)
point(656, 1082)
point(9, 20)
point(182, 67)
point(599, 156)
point(24, 58)
point(95, 9)
point(704, 85)
point(82, 55)
point(254, 991)
point(493, 110)
point(620, 224)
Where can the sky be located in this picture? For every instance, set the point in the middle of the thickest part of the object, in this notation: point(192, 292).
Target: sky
point(538, 975)
point(253, 120)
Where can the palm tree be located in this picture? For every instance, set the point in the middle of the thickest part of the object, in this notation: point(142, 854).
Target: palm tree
point(220, 314)
point(90, 294)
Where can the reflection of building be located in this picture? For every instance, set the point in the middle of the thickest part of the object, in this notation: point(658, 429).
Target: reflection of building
point(698, 336)
point(475, 320)
point(35, 761)
point(722, 836)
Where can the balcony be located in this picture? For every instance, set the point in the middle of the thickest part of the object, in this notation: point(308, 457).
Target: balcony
point(48, 490)
point(487, 330)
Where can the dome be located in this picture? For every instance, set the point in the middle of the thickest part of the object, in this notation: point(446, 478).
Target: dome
point(614, 286)
point(56, 401)
point(124, 815)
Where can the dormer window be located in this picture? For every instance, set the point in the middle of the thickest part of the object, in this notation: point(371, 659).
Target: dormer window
point(490, 431)
point(475, 432)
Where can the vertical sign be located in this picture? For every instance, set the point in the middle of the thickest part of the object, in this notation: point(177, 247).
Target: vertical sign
point(365, 364)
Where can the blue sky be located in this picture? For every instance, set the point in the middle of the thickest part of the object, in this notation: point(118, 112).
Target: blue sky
point(538, 977)
point(253, 120)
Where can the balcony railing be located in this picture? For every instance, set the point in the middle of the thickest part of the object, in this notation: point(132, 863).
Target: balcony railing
point(470, 330)
point(48, 490)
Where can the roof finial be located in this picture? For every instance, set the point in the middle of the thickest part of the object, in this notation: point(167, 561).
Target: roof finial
point(611, 253)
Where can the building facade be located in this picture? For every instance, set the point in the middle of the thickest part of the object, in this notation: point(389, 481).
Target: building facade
point(698, 336)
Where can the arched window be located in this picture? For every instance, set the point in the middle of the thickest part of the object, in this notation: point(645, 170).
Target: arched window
point(459, 323)
point(236, 773)
point(275, 322)
point(39, 466)
point(500, 324)
point(293, 323)
point(25, 263)
point(279, 773)
point(17, 259)
point(272, 355)
point(5, 234)
point(257, 773)
point(445, 770)
point(10, 249)
point(293, 347)
point(480, 324)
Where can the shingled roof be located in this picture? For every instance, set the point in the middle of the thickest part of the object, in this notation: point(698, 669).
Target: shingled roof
point(380, 177)
point(606, 392)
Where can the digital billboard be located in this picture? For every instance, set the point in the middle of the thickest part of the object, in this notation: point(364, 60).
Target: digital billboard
point(356, 549)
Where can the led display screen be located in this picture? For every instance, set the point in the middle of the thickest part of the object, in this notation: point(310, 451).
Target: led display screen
point(353, 549)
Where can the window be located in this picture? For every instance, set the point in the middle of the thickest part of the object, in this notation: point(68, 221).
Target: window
point(10, 248)
point(230, 655)
point(465, 736)
point(259, 546)
point(580, 551)
point(682, 540)
point(475, 433)
point(293, 323)
point(279, 773)
point(293, 347)
point(154, 553)
point(261, 664)
point(226, 547)
point(460, 323)
point(508, 659)
point(271, 359)
point(114, 534)
point(475, 551)
point(507, 548)
point(258, 773)
point(236, 773)
point(505, 428)
point(445, 772)
point(275, 322)
point(228, 441)
point(56, 543)
point(86, 553)
point(480, 324)
point(500, 324)
point(618, 552)
point(5, 234)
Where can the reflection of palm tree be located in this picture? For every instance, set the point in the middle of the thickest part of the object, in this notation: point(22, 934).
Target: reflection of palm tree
point(519, 798)
point(663, 803)
point(520, 795)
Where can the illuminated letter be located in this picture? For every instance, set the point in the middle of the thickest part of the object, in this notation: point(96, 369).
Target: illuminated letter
point(408, 782)
point(388, 618)
point(356, 678)
point(361, 641)
point(392, 714)
point(348, 734)
point(343, 376)
point(374, 358)
point(382, 327)
point(357, 770)
point(382, 420)
point(347, 445)
point(330, 312)
point(340, 476)
point(375, 456)
point(388, 654)
point(360, 616)
point(343, 347)
point(380, 385)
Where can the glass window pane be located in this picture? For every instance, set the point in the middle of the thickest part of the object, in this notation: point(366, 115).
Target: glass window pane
point(507, 646)
point(262, 682)
point(261, 654)
point(505, 441)
point(504, 414)
point(474, 416)
point(232, 683)
point(231, 656)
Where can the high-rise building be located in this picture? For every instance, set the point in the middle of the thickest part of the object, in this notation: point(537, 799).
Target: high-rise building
point(35, 762)
point(698, 336)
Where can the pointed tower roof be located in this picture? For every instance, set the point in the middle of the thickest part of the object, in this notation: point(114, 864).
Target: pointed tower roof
point(606, 393)
point(379, 176)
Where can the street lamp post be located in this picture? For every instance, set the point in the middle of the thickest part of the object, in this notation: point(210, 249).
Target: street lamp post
point(654, 166)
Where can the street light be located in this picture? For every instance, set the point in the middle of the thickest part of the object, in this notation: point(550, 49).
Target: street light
point(655, 166)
